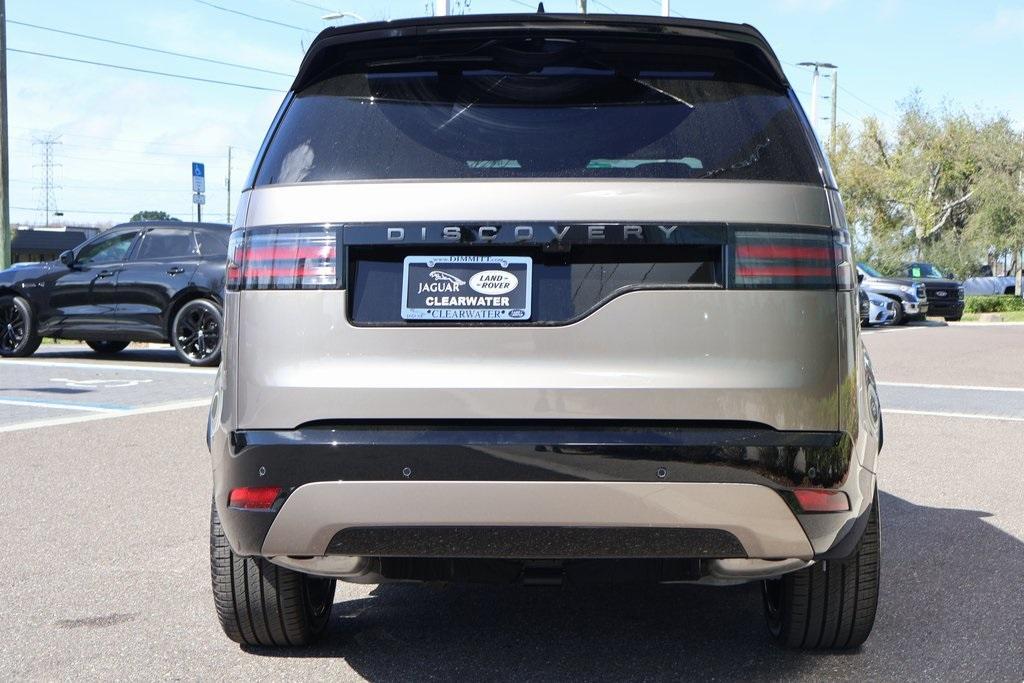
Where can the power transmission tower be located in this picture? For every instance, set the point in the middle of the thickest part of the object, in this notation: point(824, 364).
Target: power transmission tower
point(5, 216)
point(49, 198)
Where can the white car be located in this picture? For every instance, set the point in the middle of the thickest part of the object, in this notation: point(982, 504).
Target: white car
point(880, 310)
point(982, 286)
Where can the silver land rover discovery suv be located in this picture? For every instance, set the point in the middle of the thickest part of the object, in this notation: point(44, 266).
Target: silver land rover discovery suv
point(543, 298)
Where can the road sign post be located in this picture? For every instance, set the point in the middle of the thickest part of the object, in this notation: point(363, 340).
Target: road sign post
point(198, 188)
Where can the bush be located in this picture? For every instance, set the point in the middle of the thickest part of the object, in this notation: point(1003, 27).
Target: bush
point(994, 304)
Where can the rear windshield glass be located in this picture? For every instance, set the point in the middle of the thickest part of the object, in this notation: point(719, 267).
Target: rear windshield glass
point(568, 119)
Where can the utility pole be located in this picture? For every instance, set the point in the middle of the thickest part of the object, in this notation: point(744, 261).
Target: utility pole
point(835, 99)
point(666, 8)
point(227, 182)
point(814, 89)
point(440, 8)
point(582, 6)
point(5, 214)
point(49, 199)
point(1018, 283)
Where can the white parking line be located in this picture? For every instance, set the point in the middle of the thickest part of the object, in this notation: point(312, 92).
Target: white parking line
point(108, 366)
point(900, 328)
point(59, 405)
point(969, 416)
point(963, 387)
point(178, 405)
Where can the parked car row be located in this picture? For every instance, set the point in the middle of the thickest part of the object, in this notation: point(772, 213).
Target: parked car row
point(924, 291)
point(148, 282)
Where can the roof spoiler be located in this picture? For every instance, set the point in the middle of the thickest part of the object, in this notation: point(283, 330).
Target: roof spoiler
point(331, 43)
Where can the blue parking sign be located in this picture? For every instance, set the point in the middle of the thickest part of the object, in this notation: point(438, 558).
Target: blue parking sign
point(198, 177)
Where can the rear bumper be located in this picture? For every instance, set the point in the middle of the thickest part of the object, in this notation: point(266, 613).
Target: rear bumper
point(535, 490)
point(527, 519)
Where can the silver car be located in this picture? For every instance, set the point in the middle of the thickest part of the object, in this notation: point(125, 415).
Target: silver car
point(543, 299)
point(876, 309)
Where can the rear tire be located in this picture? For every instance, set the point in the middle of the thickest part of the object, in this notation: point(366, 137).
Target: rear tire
point(197, 332)
point(954, 319)
point(107, 346)
point(18, 336)
point(261, 604)
point(830, 605)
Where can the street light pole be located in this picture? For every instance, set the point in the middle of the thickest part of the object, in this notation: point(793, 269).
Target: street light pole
point(814, 89)
point(441, 8)
point(341, 15)
point(666, 8)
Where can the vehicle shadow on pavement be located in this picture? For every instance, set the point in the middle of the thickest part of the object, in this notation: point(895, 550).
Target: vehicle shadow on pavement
point(160, 354)
point(951, 607)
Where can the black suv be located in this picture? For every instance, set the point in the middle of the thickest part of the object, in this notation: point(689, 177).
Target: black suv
point(945, 294)
point(152, 281)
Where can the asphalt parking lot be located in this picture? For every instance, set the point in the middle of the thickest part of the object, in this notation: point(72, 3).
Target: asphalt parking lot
point(106, 568)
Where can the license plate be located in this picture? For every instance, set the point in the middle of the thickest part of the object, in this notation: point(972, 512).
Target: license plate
point(466, 288)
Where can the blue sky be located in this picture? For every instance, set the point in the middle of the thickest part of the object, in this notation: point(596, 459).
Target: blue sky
point(128, 138)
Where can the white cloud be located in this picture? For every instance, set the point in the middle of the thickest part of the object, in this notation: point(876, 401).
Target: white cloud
point(1006, 23)
point(128, 137)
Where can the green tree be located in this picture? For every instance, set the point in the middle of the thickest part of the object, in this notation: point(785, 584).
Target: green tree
point(939, 186)
point(152, 216)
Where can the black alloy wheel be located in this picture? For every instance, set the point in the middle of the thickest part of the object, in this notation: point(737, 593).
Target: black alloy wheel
point(17, 328)
point(197, 332)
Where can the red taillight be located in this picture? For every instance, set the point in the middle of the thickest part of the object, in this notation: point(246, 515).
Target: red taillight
point(283, 258)
point(818, 500)
point(254, 498)
point(782, 259)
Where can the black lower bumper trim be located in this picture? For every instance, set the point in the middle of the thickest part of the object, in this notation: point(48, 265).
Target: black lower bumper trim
point(535, 542)
point(654, 451)
point(538, 451)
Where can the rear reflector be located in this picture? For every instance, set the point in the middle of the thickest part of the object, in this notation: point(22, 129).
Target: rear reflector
point(254, 498)
point(817, 500)
point(283, 258)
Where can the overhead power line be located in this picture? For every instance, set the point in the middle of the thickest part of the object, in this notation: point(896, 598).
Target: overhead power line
point(144, 71)
point(111, 188)
point(601, 4)
point(313, 5)
point(253, 16)
point(118, 138)
point(121, 150)
point(149, 49)
point(865, 102)
point(117, 160)
point(848, 92)
point(108, 213)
